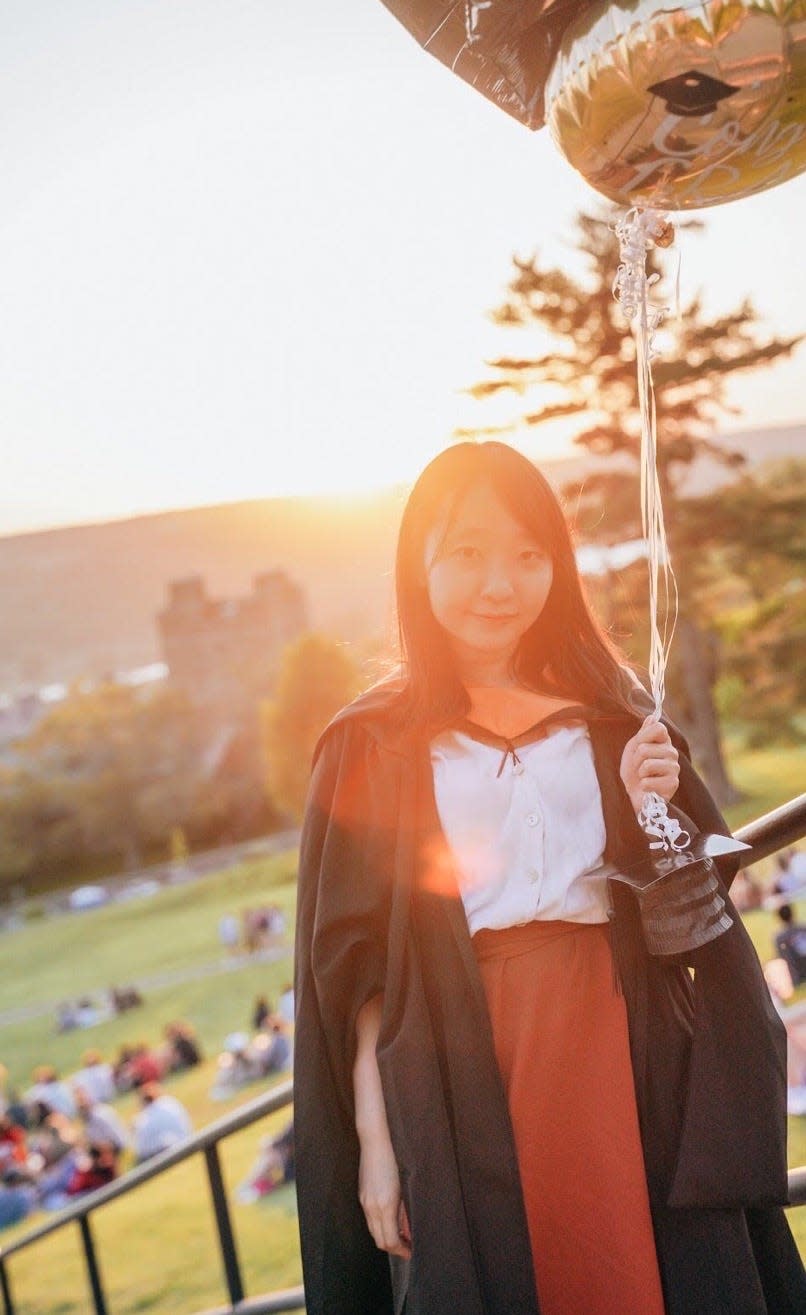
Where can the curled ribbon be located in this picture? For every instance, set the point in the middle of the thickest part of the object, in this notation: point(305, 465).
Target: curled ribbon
point(656, 821)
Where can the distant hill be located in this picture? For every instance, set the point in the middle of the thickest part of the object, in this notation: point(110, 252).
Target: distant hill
point(82, 600)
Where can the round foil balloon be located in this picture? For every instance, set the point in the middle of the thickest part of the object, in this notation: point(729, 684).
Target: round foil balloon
point(682, 107)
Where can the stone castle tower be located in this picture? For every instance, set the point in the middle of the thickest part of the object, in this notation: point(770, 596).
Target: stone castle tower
point(225, 652)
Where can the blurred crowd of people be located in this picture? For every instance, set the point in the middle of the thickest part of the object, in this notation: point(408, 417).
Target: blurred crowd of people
point(786, 972)
point(86, 1012)
point(246, 1058)
point(48, 1158)
point(63, 1136)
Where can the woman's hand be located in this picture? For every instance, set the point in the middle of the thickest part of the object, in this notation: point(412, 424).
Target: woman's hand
point(379, 1194)
point(650, 762)
point(378, 1176)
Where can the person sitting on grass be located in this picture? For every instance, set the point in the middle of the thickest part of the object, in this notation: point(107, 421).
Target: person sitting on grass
point(182, 1049)
point(277, 1055)
point(790, 944)
point(52, 1136)
point(54, 1153)
point(273, 1167)
point(10, 1102)
point(162, 1122)
point(50, 1091)
point(17, 1197)
point(793, 1015)
point(13, 1150)
point(102, 1125)
point(261, 1011)
point(138, 1065)
point(95, 1076)
point(285, 1005)
point(240, 1061)
point(95, 1167)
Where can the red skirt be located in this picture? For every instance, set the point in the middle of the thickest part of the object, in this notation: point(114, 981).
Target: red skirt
point(562, 1045)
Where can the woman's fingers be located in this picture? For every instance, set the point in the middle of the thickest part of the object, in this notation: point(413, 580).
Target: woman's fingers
point(404, 1227)
point(666, 767)
point(650, 763)
point(379, 1193)
point(386, 1233)
point(653, 731)
point(382, 1223)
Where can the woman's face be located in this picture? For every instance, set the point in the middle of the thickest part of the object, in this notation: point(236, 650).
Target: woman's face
point(488, 578)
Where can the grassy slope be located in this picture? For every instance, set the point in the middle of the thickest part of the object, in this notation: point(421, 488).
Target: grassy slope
point(174, 1267)
point(174, 1264)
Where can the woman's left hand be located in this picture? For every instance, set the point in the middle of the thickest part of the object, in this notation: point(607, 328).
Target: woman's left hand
point(650, 762)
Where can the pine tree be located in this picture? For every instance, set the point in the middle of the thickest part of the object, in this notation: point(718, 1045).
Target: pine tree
point(588, 370)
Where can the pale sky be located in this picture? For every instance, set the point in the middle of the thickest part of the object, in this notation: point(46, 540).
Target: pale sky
point(247, 247)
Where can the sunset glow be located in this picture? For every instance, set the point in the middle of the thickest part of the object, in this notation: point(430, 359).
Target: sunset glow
point(261, 264)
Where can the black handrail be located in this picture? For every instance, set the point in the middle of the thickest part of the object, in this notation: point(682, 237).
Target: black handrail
point(775, 830)
point(797, 1186)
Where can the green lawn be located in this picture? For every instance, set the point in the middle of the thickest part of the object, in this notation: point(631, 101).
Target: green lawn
point(157, 1247)
point(766, 777)
point(174, 930)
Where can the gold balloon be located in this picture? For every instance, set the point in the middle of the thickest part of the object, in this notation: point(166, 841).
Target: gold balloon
point(682, 107)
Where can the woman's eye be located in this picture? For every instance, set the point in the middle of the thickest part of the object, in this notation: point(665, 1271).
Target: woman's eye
point(533, 555)
point(465, 552)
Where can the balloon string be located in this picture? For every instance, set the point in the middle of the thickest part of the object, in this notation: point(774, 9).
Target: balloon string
point(662, 582)
point(637, 232)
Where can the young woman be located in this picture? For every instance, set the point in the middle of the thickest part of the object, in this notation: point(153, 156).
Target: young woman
point(504, 1104)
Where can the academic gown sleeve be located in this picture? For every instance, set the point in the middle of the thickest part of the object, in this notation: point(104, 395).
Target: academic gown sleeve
point(731, 1143)
point(733, 1138)
point(342, 919)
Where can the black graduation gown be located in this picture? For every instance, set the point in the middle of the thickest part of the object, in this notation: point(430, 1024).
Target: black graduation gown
point(378, 911)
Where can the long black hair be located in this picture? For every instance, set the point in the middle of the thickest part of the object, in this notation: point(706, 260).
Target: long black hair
point(565, 653)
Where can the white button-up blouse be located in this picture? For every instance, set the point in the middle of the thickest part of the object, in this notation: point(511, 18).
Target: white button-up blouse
point(525, 826)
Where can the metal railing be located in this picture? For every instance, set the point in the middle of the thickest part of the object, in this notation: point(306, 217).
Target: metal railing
point(775, 830)
point(767, 834)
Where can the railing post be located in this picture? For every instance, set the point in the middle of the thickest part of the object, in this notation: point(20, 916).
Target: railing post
point(226, 1238)
point(6, 1287)
point(93, 1272)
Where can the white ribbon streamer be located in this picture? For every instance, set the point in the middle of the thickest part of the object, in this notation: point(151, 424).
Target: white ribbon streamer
point(655, 819)
point(637, 233)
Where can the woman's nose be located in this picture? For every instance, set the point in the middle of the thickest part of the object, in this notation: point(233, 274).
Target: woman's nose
point(497, 582)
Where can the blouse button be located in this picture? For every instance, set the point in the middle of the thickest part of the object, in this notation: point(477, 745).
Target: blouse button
point(532, 819)
point(533, 874)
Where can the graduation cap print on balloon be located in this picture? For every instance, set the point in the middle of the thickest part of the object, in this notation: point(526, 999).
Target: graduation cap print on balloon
point(692, 93)
point(666, 105)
